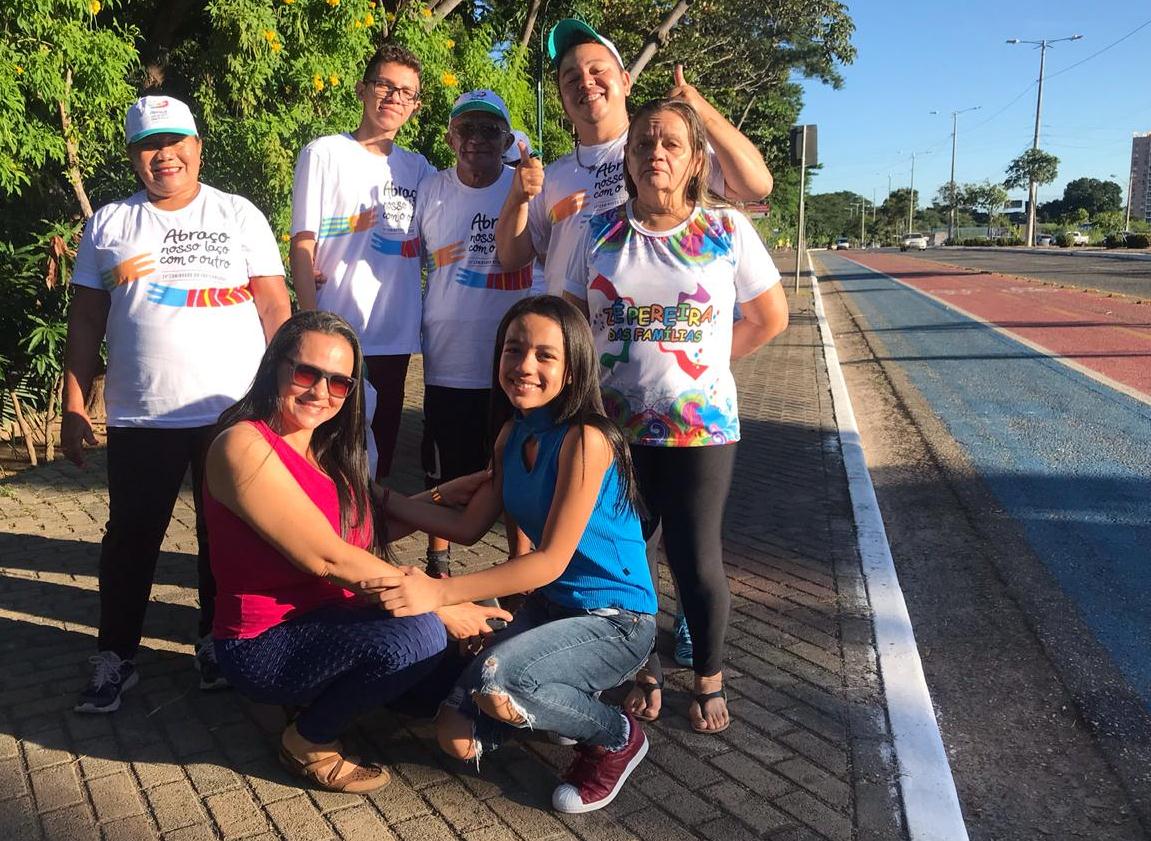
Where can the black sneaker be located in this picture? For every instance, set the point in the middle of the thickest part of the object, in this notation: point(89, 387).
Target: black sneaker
point(597, 774)
point(206, 665)
point(111, 678)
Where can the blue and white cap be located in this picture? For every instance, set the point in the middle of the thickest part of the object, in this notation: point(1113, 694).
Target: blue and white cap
point(482, 100)
point(158, 115)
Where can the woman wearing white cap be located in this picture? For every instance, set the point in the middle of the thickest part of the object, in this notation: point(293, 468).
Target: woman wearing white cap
point(187, 284)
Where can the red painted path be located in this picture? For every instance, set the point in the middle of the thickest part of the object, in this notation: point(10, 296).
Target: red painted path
point(1108, 335)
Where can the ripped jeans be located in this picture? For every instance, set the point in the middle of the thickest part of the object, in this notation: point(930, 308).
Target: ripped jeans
point(552, 662)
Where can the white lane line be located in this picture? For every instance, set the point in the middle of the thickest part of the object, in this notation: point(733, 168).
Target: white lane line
point(1047, 352)
point(930, 803)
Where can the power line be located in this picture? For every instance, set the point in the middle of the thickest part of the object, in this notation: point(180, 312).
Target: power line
point(1100, 52)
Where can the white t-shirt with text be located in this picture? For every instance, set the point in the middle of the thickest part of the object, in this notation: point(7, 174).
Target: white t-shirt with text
point(184, 336)
point(361, 207)
point(468, 291)
point(661, 306)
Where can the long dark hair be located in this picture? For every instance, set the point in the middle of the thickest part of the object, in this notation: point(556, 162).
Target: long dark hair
point(579, 402)
point(339, 444)
point(697, 190)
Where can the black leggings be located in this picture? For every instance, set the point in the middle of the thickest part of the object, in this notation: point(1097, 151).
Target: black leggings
point(685, 490)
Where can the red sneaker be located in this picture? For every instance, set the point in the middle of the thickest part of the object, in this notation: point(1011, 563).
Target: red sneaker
point(597, 774)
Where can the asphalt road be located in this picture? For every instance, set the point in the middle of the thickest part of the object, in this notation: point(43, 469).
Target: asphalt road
point(1017, 496)
point(1121, 271)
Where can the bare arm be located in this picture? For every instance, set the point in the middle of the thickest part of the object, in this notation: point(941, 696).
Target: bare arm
point(302, 261)
point(584, 458)
point(246, 476)
point(270, 296)
point(764, 317)
point(514, 246)
point(745, 173)
point(87, 321)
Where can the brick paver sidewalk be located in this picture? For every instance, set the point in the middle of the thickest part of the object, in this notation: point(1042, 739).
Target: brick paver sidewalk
point(808, 754)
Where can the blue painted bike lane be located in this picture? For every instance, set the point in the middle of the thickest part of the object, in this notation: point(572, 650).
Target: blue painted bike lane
point(1067, 457)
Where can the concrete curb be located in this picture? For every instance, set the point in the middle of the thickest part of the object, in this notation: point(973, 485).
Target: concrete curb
point(930, 803)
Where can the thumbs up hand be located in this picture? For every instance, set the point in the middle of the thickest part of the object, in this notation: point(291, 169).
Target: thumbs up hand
point(529, 179)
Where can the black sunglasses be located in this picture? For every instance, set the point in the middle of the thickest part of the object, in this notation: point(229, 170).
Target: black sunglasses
point(479, 131)
point(307, 376)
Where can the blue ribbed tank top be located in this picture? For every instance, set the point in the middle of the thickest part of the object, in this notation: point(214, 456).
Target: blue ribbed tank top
point(609, 567)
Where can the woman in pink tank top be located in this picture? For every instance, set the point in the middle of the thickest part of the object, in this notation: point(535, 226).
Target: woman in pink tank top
point(289, 511)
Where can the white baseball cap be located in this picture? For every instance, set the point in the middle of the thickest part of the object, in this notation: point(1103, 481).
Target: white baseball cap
point(485, 101)
point(512, 155)
point(158, 115)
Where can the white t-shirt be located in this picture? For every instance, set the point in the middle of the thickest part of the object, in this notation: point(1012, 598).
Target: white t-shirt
point(468, 291)
point(661, 308)
point(576, 187)
point(361, 207)
point(184, 336)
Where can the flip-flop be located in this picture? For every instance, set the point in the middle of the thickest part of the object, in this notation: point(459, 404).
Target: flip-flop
point(701, 699)
point(647, 687)
point(335, 772)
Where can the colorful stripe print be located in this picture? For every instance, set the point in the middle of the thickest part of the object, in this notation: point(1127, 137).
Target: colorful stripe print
point(515, 281)
point(338, 226)
point(174, 296)
point(396, 247)
point(567, 206)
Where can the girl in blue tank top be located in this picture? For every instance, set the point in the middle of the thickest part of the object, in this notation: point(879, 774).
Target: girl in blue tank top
point(562, 471)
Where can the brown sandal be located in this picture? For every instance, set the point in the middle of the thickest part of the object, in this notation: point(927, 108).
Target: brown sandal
point(336, 772)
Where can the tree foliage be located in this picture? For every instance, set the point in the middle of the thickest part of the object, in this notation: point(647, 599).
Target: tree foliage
point(1033, 165)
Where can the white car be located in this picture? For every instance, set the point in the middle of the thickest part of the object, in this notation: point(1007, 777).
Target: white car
point(841, 243)
point(913, 240)
point(1077, 237)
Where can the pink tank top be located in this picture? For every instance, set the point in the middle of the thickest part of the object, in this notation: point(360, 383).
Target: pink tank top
point(257, 587)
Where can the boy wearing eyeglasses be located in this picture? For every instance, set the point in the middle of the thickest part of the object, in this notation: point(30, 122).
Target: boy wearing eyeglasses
point(468, 292)
point(355, 251)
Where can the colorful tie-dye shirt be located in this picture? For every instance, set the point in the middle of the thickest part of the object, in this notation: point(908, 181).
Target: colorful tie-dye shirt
point(661, 306)
point(184, 336)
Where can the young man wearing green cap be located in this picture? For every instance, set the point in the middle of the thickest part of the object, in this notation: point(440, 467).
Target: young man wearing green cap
point(468, 292)
point(547, 208)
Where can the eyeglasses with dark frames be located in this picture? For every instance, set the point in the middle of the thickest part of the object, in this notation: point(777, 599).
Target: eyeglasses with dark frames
point(386, 90)
point(307, 376)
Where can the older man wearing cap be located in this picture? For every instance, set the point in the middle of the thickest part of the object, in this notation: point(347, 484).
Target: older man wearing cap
point(468, 292)
point(354, 247)
point(187, 284)
point(546, 209)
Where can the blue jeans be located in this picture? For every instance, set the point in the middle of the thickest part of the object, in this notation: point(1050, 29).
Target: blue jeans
point(551, 662)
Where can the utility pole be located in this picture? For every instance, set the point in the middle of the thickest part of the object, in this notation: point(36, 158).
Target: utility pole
point(951, 184)
point(1032, 187)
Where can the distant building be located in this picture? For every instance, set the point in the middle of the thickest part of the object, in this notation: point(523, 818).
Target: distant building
point(1140, 197)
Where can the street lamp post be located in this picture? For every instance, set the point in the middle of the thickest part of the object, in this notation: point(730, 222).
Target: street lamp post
point(951, 183)
point(1031, 185)
point(911, 198)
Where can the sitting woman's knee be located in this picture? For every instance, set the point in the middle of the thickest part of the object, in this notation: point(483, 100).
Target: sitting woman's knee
point(500, 706)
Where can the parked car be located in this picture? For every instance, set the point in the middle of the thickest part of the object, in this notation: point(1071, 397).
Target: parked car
point(1077, 237)
point(914, 240)
point(841, 243)
point(1044, 239)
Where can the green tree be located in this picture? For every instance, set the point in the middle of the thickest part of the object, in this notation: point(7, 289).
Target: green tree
point(987, 198)
point(1092, 195)
point(1033, 165)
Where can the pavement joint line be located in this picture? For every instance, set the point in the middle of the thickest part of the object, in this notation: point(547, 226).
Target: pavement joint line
point(1044, 351)
point(930, 802)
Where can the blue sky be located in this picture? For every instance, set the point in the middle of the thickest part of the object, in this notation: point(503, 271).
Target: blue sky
point(936, 56)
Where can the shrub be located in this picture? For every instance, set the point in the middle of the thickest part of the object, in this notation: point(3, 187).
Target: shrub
point(977, 242)
point(1138, 241)
point(1114, 240)
point(1064, 240)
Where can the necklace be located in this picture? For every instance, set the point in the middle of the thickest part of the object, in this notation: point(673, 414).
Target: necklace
point(580, 163)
